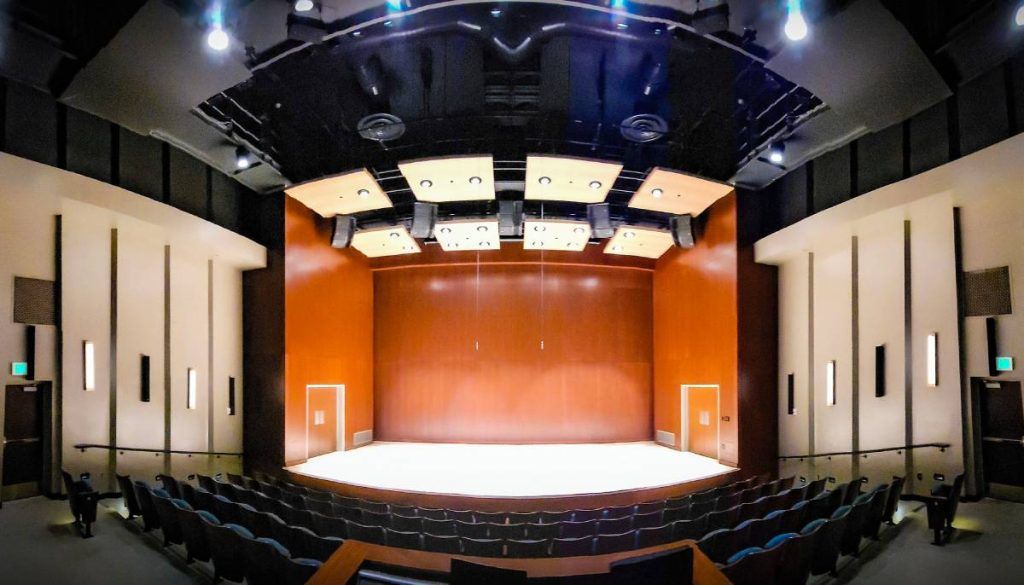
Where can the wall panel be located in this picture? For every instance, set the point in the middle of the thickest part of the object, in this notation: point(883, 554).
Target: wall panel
point(455, 362)
point(227, 357)
point(189, 349)
point(794, 319)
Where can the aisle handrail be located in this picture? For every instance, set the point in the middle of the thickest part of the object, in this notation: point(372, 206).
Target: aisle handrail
point(865, 452)
point(83, 446)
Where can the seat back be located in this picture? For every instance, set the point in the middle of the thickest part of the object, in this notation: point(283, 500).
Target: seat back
point(443, 544)
point(483, 547)
point(611, 543)
point(193, 533)
point(330, 526)
point(876, 507)
point(892, 498)
point(131, 503)
point(528, 548)
point(795, 559)
point(296, 571)
point(761, 530)
point(649, 507)
point(150, 518)
point(816, 487)
point(170, 485)
point(364, 533)
point(647, 520)
point(438, 527)
point(723, 518)
point(542, 531)
point(827, 541)
point(586, 515)
point(718, 545)
point(850, 542)
point(853, 489)
point(261, 564)
point(754, 566)
point(689, 529)
point(653, 536)
point(615, 525)
point(954, 498)
point(322, 547)
point(554, 517)
point(578, 529)
point(619, 511)
point(376, 519)
point(227, 550)
point(399, 539)
point(168, 514)
point(572, 547)
point(406, 523)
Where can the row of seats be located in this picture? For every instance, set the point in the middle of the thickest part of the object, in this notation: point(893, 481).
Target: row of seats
point(240, 544)
point(487, 539)
point(748, 556)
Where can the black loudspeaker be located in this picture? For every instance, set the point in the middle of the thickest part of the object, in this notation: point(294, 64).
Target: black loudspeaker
point(30, 352)
point(510, 218)
point(990, 337)
point(600, 217)
point(682, 230)
point(344, 228)
point(424, 216)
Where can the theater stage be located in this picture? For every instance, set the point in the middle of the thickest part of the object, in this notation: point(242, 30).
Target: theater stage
point(511, 471)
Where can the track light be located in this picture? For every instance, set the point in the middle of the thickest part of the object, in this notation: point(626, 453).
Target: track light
point(217, 39)
point(776, 152)
point(796, 26)
point(303, 5)
point(243, 158)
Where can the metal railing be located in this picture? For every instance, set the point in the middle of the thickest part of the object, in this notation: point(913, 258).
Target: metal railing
point(83, 446)
point(866, 452)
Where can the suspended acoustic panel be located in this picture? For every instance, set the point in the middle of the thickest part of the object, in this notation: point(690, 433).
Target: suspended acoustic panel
point(564, 178)
point(636, 241)
point(342, 194)
point(387, 241)
point(450, 178)
point(555, 234)
point(677, 193)
point(468, 234)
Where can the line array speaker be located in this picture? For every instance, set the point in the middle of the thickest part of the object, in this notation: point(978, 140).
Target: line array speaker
point(600, 217)
point(344, 228)
point(510, 218)
point(682, 230)
point(424, 216)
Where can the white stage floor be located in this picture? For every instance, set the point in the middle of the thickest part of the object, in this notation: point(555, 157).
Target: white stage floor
point(511, 470)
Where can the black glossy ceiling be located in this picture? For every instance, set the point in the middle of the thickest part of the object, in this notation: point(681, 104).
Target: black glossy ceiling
point(532, 78)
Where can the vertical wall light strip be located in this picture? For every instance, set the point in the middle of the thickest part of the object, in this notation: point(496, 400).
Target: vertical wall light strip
point(932, 359)
point(89, 365)
point(830, 383)
point(190, 399)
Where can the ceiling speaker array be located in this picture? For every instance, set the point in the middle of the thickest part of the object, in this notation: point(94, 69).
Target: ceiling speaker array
point(424, 216)
point(344, 228)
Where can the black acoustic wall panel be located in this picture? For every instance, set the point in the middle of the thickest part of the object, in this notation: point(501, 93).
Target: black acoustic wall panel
point(30, 352)
point(987, 292)
point(793, 196)
point(992, 345)
point(879, 371)
point(31, 124)
point(226, 199)
point(139, 161)
point(832, 178)
point(983, 113)
point(188, 183)
point(929, 139)
point(231, 396)
point(35, 301)
point(88, 145)
point(1015, 77)
point(880, 158)
point(791, 394)
point(144, 378)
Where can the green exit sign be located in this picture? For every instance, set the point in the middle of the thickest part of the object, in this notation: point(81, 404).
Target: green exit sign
point(1004, 364)
point(19, 369)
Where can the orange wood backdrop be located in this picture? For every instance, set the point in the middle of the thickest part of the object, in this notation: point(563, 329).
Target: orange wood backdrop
point(328, 325)
point(695, 324)
point(455, 363)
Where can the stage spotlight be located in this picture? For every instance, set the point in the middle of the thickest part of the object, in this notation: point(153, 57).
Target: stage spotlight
point(776, 152)
point(496, 12)
point(796, 26)
point(1018, 17)
point(243, 158)
point(217, 39)
point(303, 5)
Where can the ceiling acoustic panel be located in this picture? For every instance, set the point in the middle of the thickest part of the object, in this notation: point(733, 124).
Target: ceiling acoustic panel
point(468, 234)
point(450, 178)
point(564, 178)
point(388, 241)
point(343, 194)
point(555, 234)
point(636, 241)
point(677, 193)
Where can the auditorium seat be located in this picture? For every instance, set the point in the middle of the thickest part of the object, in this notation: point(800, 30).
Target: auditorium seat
point(554, 517)
point(826, 545)
point(849, 543)
point(332, 526)
point(647, 519)
point(431, 513)
point(689, 529)
point(407, 523)
point(376, 519)
point(795, 558)
point(483, 547)
point(942, 505)
point(472, 529)
point(296, 571)
point(572, 547)
point(318, 496)
point(527, 549)
point(542, 531)
point(490, 517)
point(719, 545)
point(618, 511)
point(260, 566)
point(523, 517)
point(611, 543)
point(227, 550)
point(892, 499)
point(131, 503)
point(586, 515)
point(876, 508)
point(578, 529)
point(816, 487)
point(150, 519)
point(167, 510)
point(345, 501)
point(753, 566)
point(754, 509)
point(615, 525)
point(321, 506)
point(442, 544)
point(297, 539)
point(402, 539)
point(227, 510)
point(322, 547)
point(170, 485)
point(507, 530)
point(673, 514)
point(194, 534)
point(852, 490)
point(727, 501)
point(698, 509)
point(665, 568)
point(439, 527)
point(396, 509)
point(353, 514)
point(459, 515)
point(723, 518)
point(364, 533)
point(653, 536)
point(760, 530)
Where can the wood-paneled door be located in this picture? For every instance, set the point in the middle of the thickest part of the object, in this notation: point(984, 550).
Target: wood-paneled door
point(700, 407)
point(24, 440)
point(325, 419)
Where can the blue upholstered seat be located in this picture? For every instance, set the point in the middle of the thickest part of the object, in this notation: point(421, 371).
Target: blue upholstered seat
point(743, 553)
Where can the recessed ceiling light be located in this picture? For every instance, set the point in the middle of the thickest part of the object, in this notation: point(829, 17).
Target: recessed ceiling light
point(426, 183)
point(484, 244)
point(243, 158)
point(475, 180)
point(217, 39)
point(578, 230)
point(595, 184)
point(796, 26)
point(539, 228)
point(364, 193)
point(446, 230)
point(395, 235)
point(777, 152)
point(629, 234)
point(481, 228)
point(616, 248)
point(538, 244)
point(544, 180)
point(303, 5)
point(496, 12)
point(656, 193)
point(407, 248)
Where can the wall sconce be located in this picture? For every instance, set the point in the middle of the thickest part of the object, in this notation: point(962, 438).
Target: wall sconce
point(231, 396)
point(791, 394)
point(89, 365)
point(191, 398)
point(830, 383)
point(932, 356)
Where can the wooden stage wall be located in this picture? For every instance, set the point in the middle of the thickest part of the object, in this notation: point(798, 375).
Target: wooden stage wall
point(458, 363)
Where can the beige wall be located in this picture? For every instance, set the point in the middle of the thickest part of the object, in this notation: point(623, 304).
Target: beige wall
point(205, 261)
point(987, 189)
